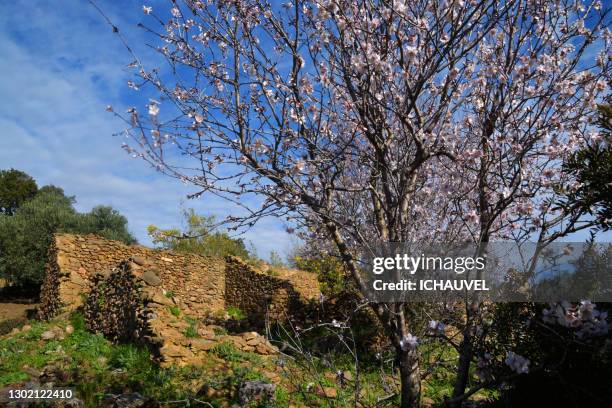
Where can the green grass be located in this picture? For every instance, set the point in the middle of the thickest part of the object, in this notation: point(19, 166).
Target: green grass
point(100, 367)
point(228, 352)
point(97, 366)
point(175, 311)
point(236, 313)
point(192, 330)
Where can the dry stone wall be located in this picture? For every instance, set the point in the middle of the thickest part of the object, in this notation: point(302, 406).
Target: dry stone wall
point(155, 297)
point(260, 295)
point(116, 307)
point(197, 282)
point(198, 285)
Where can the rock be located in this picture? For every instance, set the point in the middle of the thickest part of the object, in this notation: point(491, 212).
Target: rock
point(26, 328)
point(202, 344)
point(59, 333)
point(205, 332)
point(47, 335)
point(169, 260)
point(150, 278)
point(69, 329)
point(255, 391)
point(255, 341)
point(160, 299)
point(52, 374)
point(327, 392)
point(31, 371)
point(427, 402)
point(330, 376)
point(175, 351)
point(15, 331)
point(128, 400)
point(71, 403)
point(138, 260)
point(348, 376)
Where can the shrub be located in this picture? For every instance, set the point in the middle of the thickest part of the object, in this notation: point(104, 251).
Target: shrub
point(330, 272)
point(199, 237)
point(26, 235)
point(236, 313)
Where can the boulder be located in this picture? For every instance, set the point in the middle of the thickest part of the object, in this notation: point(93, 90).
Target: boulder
point(48, 335)
point(327, 392)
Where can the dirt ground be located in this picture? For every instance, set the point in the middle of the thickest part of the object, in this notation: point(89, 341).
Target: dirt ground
point(10, 311)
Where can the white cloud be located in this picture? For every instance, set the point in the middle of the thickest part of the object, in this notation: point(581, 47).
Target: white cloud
point(61, 67)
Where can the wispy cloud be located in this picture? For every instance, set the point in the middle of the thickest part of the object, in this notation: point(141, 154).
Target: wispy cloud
point(61, 67)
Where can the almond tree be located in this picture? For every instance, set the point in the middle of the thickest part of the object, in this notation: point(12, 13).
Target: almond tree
point(378, 121)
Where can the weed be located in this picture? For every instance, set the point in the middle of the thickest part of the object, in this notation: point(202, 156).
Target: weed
point(236, 313)
point(175, 311)
point(228, 352)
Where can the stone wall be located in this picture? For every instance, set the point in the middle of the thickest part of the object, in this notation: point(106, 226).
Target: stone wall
point(198, 285)
point(197, 282)
point(260, 295)
point(155, 297)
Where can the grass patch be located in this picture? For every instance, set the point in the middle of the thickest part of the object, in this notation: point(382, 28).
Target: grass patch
point(228, 352)
point(192, 330)
point(175, 311)
point(236, 313)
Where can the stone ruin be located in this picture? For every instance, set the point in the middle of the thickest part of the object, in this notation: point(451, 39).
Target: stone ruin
point(164, 299)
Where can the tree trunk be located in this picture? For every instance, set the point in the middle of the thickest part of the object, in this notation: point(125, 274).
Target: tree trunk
point(410, 377)
point(463, 369)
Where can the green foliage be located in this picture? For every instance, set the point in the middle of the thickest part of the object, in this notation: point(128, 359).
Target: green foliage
point(198, 237)
point(236, 313)
point(329, 270)
point(192, 330)
point(228, 352)
point(176, 312)
point(592, 167)
point(107, 222)
point(16, 187)
point(25, 236)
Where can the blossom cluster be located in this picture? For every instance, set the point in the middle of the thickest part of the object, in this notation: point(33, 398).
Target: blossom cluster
point(517, 363)
point(409, 342)
point(436, 328)
point(584, 318)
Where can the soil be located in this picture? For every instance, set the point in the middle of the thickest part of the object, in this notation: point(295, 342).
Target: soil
point(16, 311)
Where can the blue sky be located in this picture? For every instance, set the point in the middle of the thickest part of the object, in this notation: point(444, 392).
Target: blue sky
point(60, 66)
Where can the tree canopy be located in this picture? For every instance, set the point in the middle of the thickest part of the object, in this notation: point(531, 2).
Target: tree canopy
point(16, 187)
point(199, 237)
point(26, 234)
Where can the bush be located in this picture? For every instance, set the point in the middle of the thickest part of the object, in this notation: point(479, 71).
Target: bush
point(26, 235)
point(330, 273)
point(198, 237)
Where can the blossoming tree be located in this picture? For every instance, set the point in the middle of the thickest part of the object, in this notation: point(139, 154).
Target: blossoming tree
point(379, 121)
